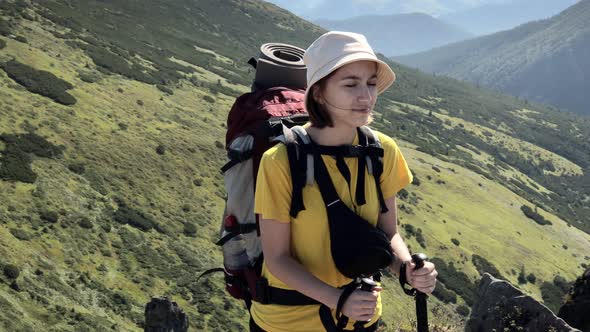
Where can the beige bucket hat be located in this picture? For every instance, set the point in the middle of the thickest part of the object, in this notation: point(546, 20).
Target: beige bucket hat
point(335, 49)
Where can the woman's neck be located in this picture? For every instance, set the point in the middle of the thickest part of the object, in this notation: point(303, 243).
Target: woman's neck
point(332, 136)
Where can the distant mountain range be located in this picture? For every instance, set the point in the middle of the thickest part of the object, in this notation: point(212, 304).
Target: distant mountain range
point(546, 61)
point(494, 17)
point(400, 34)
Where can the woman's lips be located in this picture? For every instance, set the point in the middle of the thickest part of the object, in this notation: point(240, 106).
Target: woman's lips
point(361, 110)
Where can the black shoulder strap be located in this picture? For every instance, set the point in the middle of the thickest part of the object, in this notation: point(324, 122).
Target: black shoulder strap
point(360, 178)
point(300, 165)
point(374, 161)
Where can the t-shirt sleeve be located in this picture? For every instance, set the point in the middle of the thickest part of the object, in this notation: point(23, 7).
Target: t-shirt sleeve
point(272, 199)
point(396, 173)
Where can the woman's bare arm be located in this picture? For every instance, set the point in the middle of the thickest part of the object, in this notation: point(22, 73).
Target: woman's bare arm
point(423, 279)
point(276, 244)
point(388, 223)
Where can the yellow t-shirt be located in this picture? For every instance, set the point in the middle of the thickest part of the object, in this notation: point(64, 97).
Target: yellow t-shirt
point(310, 237)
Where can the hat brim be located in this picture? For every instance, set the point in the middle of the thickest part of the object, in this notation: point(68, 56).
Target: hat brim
point(385, 75)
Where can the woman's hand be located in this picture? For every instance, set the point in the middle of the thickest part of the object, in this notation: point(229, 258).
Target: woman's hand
point(423, 279)
point(361, 305)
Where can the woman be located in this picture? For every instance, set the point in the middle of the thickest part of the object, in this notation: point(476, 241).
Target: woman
point(344, 78)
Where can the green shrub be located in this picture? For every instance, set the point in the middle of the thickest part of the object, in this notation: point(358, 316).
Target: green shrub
point(50, 216)
point(40, 82)
point(403, 194)
point(20, 234)
point(420, 238)
point(160, 149)
point(2, 44)
point(111, 62)
point(521, 276)
point(21, 39)
point(455, 241)
point(85, 223)
point(77, 168)
point(190, 229)
point(4, 27)
point(410, 230)
point(553, 293)
point(539, 219)
point(32, 143)
point(89, 77)
point(126, 215)
point(208, 99)
point(15, 165)
point(165, 89)
point(483, 265)
point(444, 294)
point(455, 280)
point(106, 227)
point(463, 310)
point(531, 278)
point(11, 271)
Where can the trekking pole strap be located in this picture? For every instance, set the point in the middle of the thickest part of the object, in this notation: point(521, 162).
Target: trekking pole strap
point(235, 231)
point(217, 269)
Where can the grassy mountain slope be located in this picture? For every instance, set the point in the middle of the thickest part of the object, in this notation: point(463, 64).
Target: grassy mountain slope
point(125, 195)
point(400, 34)
point(545, 61)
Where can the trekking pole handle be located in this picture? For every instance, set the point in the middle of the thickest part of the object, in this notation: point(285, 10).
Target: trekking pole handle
point(419, 260)
point(368, 284)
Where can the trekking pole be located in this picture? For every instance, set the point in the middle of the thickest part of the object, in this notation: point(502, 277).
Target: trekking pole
point(367, 285)
point(421, 309)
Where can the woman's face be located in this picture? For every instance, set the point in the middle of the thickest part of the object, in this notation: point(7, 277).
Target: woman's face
point(350, 93)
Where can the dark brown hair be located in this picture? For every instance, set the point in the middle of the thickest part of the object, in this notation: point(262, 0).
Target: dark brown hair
point(318, 115)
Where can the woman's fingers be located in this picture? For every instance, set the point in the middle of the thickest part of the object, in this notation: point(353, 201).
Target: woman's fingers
point(361, 305)
point(424, 279)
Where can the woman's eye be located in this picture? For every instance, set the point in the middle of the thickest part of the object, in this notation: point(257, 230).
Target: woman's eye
point(350, 85)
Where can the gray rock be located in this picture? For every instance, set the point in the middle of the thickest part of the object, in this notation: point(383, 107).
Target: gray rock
point(576, 310)
point(502, 307)
point(163, 315)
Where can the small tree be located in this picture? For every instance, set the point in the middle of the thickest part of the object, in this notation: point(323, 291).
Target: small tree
point(11, 271)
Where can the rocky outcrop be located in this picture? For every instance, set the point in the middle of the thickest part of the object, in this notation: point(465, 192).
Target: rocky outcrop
point(576, 310)
point(502, 307)
point(163, 315)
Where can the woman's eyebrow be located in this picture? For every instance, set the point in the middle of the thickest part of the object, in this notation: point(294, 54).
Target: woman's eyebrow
point(354, 77)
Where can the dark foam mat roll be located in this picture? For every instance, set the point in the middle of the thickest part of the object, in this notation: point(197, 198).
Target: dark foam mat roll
point(280, 65)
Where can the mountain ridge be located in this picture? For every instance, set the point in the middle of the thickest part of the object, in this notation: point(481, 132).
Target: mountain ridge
point(401, 33)
point(546, 51)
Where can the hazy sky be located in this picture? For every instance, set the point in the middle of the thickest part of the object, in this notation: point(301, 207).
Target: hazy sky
point(313, 9)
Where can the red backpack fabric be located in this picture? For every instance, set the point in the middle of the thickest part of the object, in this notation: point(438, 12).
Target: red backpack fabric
point(255, 121)
point(250, 112)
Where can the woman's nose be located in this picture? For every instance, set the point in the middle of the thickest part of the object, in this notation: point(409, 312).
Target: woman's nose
point(365, 94)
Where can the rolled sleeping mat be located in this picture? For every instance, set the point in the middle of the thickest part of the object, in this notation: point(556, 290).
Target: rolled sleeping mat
point(280, 65)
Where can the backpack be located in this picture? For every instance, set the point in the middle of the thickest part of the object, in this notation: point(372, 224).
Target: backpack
point(254, 123)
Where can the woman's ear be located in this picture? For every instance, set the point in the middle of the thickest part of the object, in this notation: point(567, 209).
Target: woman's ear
point(316, 94)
